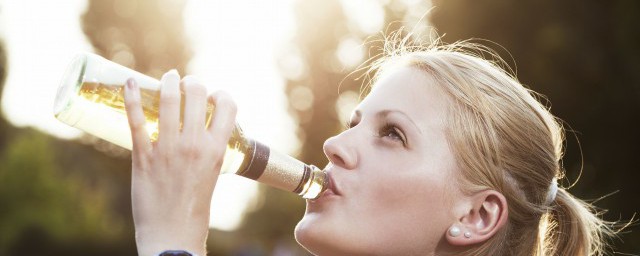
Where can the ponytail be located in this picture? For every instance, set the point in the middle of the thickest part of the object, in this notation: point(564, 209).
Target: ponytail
point(573, 227)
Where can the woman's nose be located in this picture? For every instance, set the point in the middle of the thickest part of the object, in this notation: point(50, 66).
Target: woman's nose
point(340, 153)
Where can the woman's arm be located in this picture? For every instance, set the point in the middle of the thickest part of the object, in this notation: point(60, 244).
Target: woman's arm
point(173, 178)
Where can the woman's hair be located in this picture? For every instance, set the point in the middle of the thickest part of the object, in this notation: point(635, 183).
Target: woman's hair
point(504, 139)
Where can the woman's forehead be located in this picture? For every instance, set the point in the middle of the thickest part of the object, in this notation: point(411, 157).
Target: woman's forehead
point(407, 89)
point(403, 86)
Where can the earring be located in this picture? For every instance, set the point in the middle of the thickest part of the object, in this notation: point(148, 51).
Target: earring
point(454, 231)
point(467, 234)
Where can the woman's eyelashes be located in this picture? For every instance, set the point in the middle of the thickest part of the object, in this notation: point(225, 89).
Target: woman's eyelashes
point(392, 132)
point(387, 131)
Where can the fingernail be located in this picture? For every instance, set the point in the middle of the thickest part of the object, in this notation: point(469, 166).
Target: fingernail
point(190, 79)
point(132, 88)
point(131, 83)
point(174, 71)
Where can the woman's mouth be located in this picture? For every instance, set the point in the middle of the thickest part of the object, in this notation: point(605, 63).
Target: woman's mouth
point(333, 188)
point(331, 191)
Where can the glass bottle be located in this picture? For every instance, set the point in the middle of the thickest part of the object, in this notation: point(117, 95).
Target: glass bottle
point(91, 98)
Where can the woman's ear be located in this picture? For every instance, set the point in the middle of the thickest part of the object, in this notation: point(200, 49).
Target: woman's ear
point(486, 214)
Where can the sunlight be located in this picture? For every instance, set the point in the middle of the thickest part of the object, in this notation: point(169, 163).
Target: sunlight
point(234, 46)
point(35, 70)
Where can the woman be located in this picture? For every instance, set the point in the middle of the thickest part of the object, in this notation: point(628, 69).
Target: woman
point(447, 155)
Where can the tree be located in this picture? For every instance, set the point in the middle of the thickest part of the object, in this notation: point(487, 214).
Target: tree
point(36, 198)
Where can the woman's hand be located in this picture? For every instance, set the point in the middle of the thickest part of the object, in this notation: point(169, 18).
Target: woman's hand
point(173, 178)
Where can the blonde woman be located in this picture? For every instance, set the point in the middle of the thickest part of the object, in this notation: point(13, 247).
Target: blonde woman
point(447, 155)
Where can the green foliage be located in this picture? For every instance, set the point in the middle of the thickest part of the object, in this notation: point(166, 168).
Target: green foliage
point(35, 194)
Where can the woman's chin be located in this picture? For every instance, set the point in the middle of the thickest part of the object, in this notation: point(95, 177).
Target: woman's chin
point(325, 235)
point(310, 233)
point(304, 230)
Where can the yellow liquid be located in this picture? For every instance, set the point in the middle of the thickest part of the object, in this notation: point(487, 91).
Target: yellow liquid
point(104, 115)
point(99, 109)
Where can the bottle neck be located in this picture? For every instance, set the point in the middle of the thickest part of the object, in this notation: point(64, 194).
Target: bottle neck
point(282, 171)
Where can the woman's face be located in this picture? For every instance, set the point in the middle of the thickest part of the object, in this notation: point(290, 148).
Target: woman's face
point(393, 175)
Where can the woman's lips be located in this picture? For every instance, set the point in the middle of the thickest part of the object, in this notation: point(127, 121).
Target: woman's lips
point(332, 191)
point(333, 188)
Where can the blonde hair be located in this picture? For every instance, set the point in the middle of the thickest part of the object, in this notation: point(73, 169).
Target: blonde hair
point(504, 139)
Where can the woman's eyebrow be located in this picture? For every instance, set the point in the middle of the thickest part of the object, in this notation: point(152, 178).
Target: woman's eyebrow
point(387, 112)
point(384, 113)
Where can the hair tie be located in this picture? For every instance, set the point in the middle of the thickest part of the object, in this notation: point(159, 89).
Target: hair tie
point(553, 191)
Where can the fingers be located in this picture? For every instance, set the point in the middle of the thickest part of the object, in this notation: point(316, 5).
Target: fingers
point(135, 115)
point(224, 120)
point(169, 114)
point(194, 109)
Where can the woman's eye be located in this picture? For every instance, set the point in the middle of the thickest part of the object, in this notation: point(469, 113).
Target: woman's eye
point(393, 133)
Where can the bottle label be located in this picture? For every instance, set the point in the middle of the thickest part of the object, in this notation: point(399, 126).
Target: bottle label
point(258, 163)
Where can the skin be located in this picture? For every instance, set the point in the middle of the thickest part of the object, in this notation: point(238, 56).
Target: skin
point(393, 174)
point(394, 161)
point(173, 178)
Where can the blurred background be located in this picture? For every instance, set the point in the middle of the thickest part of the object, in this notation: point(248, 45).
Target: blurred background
point(288, 64)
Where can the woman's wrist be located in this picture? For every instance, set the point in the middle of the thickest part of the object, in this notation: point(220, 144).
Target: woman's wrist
point(153, 243)
point(157, 251)
point(164, 250)
point(176, 253)
point(174, 228)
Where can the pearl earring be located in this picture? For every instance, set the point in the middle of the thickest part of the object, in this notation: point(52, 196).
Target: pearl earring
point(467, 234)
point(454, 231)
